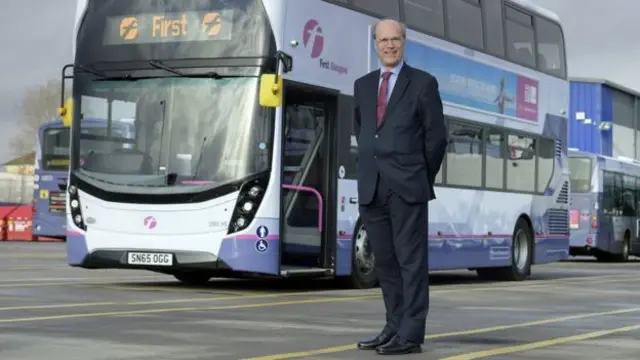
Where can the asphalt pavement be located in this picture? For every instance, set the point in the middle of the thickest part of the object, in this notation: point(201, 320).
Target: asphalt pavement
point(579, 309)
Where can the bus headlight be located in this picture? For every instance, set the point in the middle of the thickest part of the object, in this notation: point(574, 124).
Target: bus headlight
point(254, 191)
point(251, 194)
point(76, 212)
point(247, 207)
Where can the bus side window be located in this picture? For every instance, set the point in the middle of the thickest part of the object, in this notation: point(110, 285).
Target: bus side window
point(425, 15)
point(638, 197)
point(608, 193)
point(550, 47)
point(628, 196)
point(618, 193)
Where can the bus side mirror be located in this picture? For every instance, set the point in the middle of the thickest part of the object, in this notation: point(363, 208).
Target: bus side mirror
point(66, 112)
point(271, 90)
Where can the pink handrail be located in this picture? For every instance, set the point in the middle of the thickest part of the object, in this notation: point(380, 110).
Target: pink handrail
point(318, 196)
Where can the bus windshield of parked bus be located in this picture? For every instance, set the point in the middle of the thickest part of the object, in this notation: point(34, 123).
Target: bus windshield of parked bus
point(188, 131)
point(55, 149)
point(581, 170)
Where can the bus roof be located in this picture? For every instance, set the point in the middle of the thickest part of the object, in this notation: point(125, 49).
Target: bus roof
point(52, 124)
point(531, 6)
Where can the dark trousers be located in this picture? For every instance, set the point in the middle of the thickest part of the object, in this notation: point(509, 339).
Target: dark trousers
point(397, 234)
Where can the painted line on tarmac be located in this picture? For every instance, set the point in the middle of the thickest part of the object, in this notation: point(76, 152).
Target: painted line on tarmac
point(371, 294)
point(184, 309)
point(343, 348)
point(33, 256)
point(567, 291)
point(73, 279)
point(542, 344)
point(153, 302)
point(537, 284)
point(38, 282)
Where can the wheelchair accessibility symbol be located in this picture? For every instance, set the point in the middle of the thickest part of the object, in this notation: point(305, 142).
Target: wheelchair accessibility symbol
point(262, 245)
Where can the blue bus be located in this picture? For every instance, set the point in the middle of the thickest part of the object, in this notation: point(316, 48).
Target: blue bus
point(51, 173)
point(50, 177)
point(605, 206)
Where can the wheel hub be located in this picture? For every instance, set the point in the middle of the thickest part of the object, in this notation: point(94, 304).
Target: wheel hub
point(363, 254)
point(520, 250)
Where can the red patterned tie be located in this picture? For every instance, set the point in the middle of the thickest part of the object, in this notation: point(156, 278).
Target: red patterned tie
point(382, 96)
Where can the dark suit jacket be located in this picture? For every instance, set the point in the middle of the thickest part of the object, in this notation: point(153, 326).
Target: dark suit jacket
point(408, 148)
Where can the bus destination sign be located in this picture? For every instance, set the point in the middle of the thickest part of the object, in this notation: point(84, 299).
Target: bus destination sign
point(169, 27)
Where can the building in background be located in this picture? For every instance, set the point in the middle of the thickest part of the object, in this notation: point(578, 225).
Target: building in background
point(16, 180)
point(604, 118)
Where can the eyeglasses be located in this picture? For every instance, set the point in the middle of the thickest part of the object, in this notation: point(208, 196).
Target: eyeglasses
point(386, 41)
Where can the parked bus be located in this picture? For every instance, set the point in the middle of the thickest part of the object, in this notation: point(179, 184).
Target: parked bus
point(51, 173)
point(50, 178)
point(605, 206)
point(208, 187)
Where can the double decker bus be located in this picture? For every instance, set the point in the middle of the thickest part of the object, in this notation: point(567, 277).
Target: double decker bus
point(244, 158)
point(51, 173)
point(605, 206)
point(50, 179)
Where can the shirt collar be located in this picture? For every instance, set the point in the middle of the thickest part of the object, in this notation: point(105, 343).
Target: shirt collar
point(394, 70)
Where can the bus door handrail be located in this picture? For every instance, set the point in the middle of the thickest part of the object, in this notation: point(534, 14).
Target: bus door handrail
point(314, 192)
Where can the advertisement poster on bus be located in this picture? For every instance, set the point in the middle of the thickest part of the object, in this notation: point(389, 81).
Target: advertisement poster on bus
point(473, 84)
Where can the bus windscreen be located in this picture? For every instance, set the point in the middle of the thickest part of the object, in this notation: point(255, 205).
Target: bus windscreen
point(55, 149)
point(581, 170)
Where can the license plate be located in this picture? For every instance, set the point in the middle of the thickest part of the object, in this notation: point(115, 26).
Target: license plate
point(156, 259)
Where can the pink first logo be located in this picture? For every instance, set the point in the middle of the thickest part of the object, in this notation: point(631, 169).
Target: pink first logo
point(313, 38)
point(150, 222)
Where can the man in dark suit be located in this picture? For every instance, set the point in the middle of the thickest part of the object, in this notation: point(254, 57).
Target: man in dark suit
point(402, 139)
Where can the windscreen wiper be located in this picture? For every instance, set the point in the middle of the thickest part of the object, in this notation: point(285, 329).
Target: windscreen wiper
point(90, 70)
point(101, 75)
point(159, 65)
point(211, 74)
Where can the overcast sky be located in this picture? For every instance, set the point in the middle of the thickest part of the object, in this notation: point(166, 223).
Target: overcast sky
point(600, 36)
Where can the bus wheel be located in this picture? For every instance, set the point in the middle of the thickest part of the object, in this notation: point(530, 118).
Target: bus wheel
point(521, 256)
point(626, 248)
point(193, 278)
point(362, 273)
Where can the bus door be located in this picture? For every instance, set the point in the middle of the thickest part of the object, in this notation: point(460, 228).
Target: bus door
point(307, 178)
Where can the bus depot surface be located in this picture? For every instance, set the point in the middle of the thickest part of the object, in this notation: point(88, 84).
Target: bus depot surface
point(48, 310)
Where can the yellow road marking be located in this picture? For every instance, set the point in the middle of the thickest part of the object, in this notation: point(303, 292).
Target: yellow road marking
point(77, 280)
point(343, 348)
point(184, 309)
point(456, 287)
point(370, 294)
point(153, 302)
point(37, 256)
point(542, 344)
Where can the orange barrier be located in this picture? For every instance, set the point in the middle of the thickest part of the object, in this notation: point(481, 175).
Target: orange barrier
point(16, 222)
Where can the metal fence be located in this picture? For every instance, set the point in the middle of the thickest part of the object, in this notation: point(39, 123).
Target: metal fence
point(16, 188)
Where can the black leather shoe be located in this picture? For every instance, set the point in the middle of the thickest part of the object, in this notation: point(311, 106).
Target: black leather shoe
point(398, 346)
point(377, 341)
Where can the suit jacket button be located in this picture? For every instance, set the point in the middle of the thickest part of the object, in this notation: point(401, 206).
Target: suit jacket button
point(376, 136)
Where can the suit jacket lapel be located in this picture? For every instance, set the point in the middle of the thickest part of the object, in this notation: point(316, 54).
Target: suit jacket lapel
point(371, 86)
point(398, 90)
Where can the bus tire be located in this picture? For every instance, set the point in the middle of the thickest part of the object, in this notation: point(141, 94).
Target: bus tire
point(626, 248)
point(193, 278)
point(521, 256)
point(362, 260)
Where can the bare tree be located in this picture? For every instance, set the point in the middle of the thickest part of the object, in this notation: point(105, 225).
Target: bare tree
point(39, 105)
